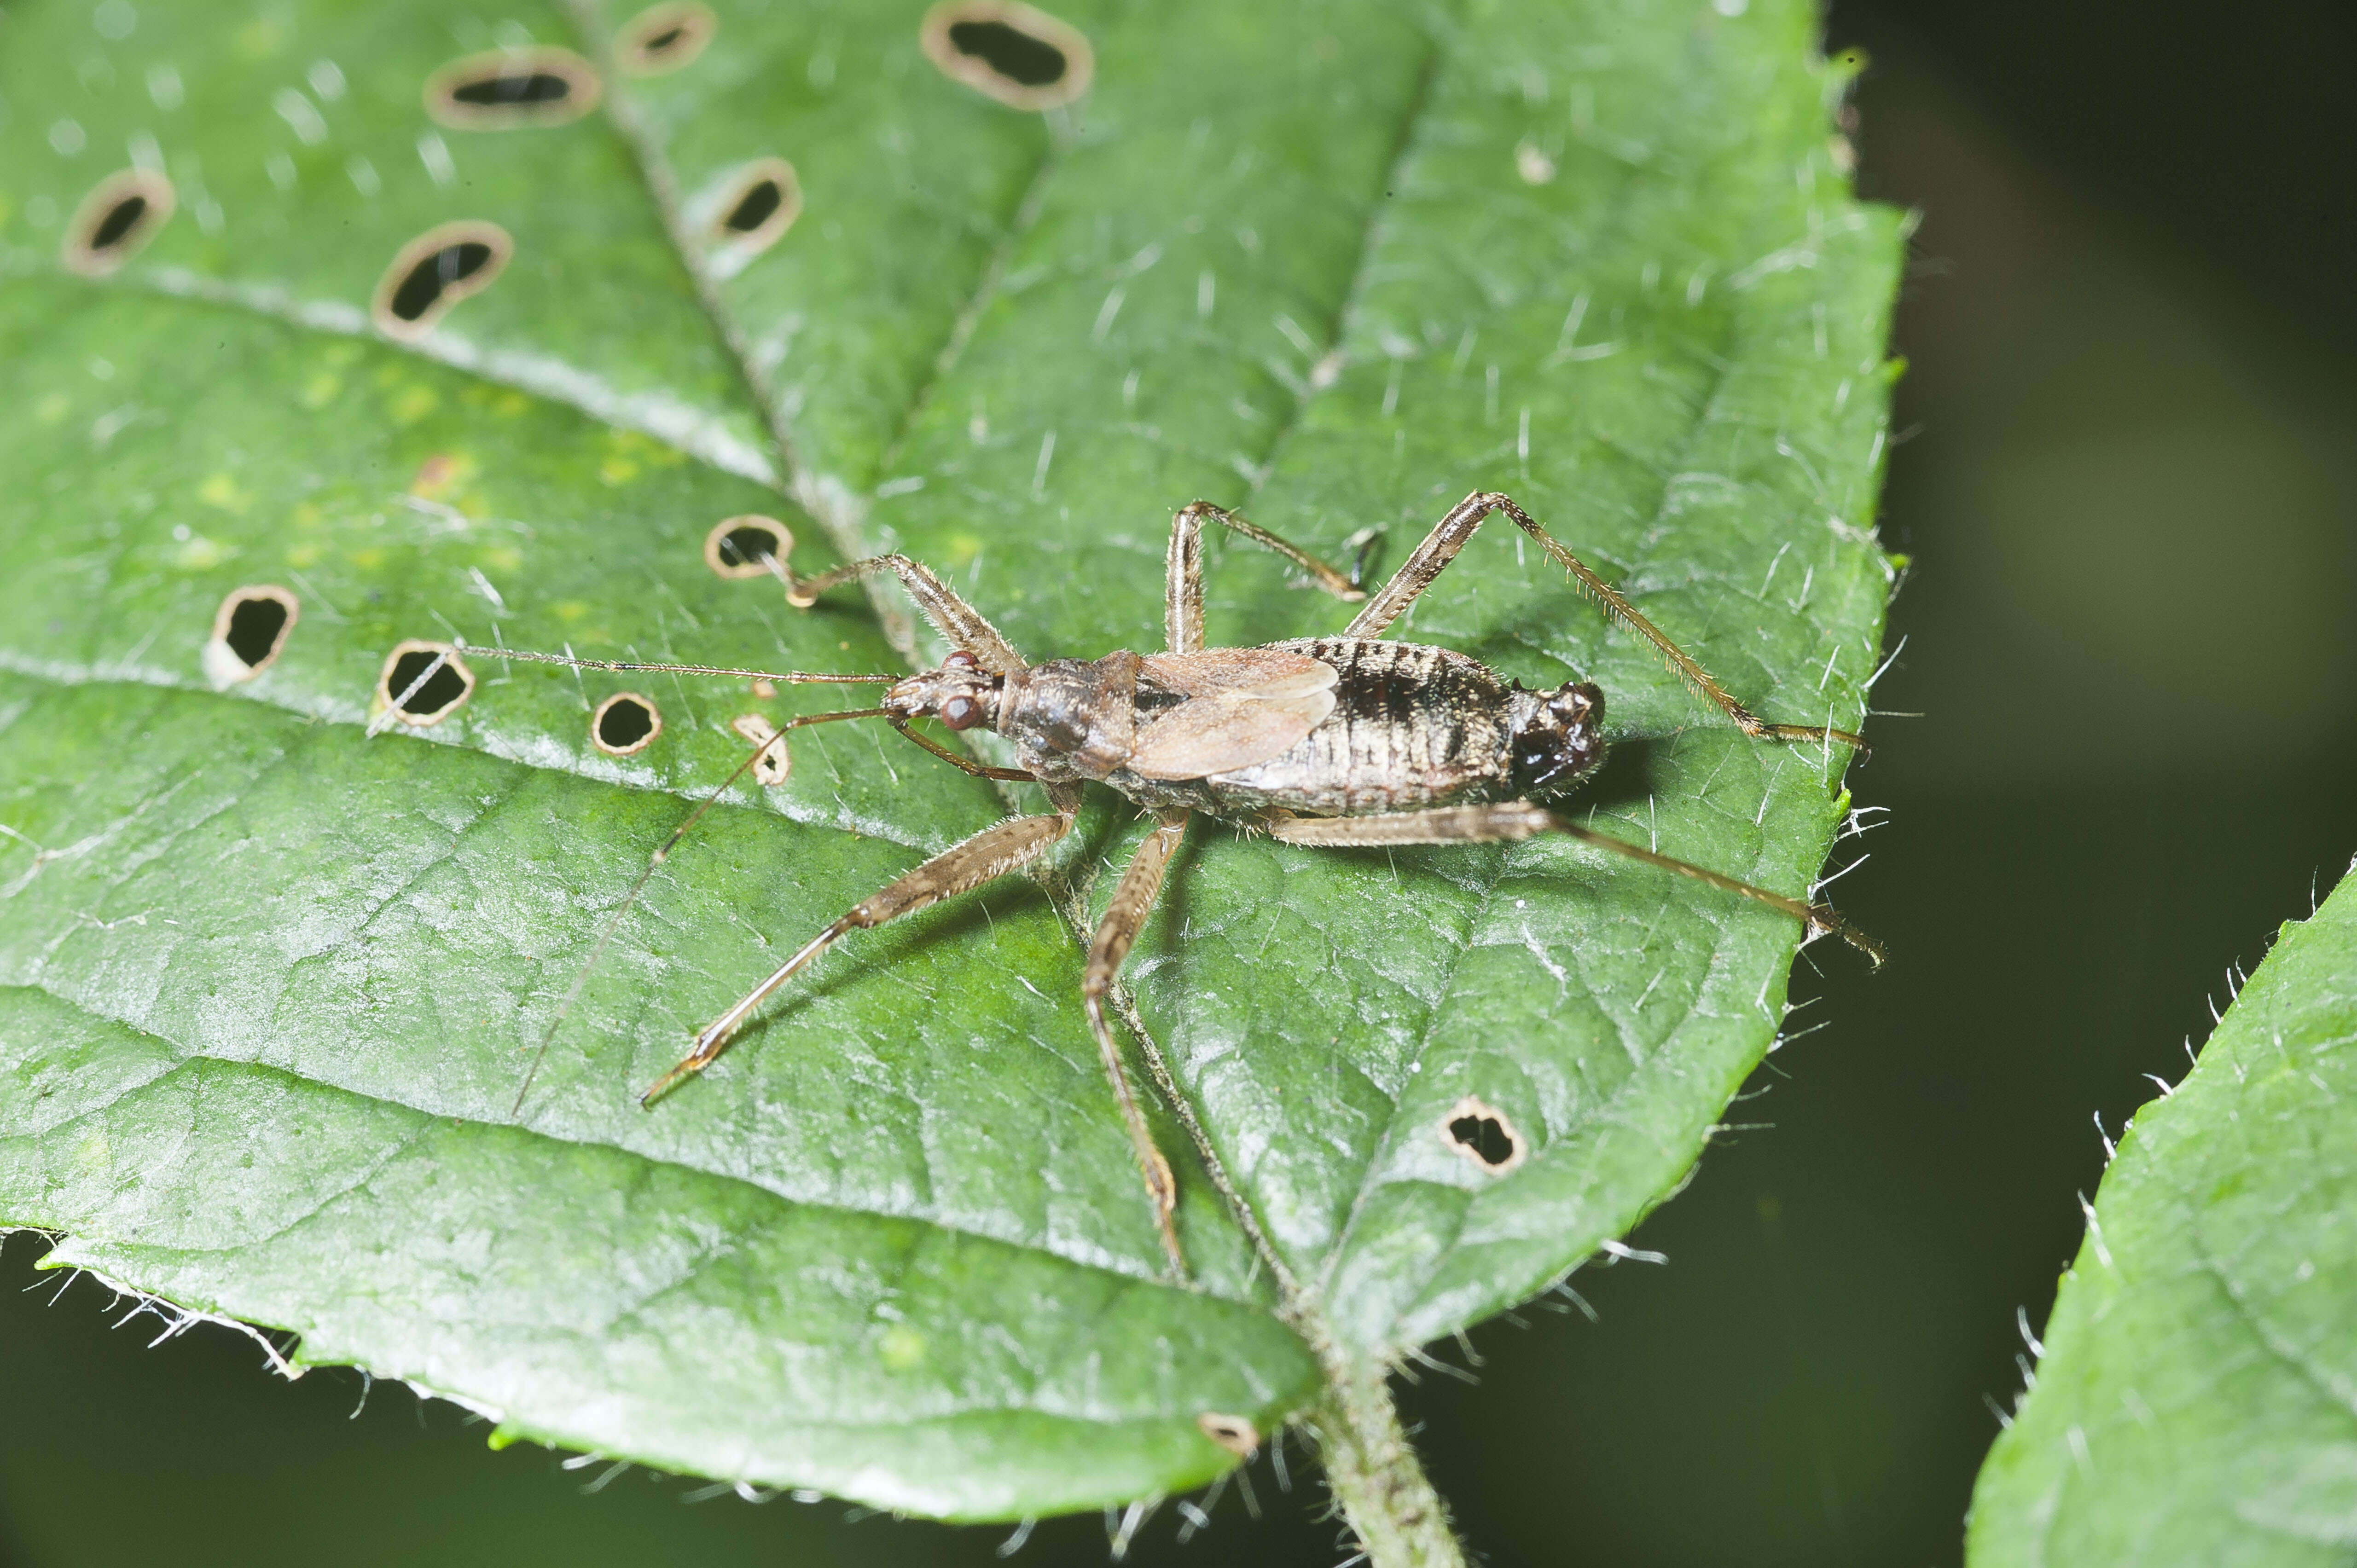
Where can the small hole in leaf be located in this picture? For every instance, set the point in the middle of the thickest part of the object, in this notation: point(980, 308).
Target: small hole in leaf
point(744, 546)
point(509, 90)
point(1232, 1433)
point(663, 39)
point(435, 272)
point(249, 630)
point(1020, 56)
point(117, 220)
point(1481, 1132)
point(423, 682)
point(625, 722)
point(755, 208)
point(775, 763)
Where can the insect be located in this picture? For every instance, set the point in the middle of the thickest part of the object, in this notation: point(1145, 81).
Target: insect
point(1351, 740)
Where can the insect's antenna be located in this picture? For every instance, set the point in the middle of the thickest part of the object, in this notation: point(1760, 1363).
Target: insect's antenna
point(794, 677)
point(614, 921)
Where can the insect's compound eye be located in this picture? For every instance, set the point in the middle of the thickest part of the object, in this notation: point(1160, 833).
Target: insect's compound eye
point(961, 660)
point(960, 713)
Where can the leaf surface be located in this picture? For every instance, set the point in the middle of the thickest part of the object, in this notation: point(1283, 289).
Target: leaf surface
point(2195, 1400)
point(268, 977)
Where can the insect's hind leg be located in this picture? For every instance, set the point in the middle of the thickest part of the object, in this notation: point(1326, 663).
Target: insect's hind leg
point(992, 853)
point(1521, 819)
point(1133, 901)
point(1182, 605)
point(1449, 536)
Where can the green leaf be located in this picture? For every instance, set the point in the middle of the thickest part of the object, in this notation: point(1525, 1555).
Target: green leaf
point(2194, 1402)
point(269, 964)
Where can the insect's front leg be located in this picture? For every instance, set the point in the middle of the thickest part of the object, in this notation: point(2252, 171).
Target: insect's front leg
point(1515, 819)
point(955, 618)
point(1449, 536)
point(1133, 901)
point(1182, 606)
point(992, 853)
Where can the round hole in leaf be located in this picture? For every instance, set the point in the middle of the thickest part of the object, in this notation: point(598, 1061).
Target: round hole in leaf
point(1235, 1434)
point(114, 222)
point(423, 682)
point(511, 89)
point(436, 271)
point(744, 546)
point(1481, 1133)
point(625, 722)
point(1017, 54)
point(249, 630)
point(753, 209)
point(663, 39)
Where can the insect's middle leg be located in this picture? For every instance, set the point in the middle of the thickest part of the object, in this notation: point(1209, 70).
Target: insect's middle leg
point(1132, 900)
point(1182, 605)
point(1449, 536)
point(992, 853)
point(1515, 819)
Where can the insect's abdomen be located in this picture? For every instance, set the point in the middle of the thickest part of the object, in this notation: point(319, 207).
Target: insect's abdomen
point(1412, 727)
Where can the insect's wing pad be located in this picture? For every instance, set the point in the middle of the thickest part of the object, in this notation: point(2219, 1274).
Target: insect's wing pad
point(1265, 673)
point(1221, 734)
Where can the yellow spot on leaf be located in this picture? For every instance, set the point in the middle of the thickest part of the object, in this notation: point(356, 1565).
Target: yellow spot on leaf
point(93, 1151)
point(413, 403)
point(200, 554)
point(261, 39)
point(321, 389)
point(503, 559)
point(571, 610)
point(901, 1348)
point(617, 469)
point(220, 491)
point(367, 559)
point(53, 408)
point(962, 549)
point(303, 555)
point(510, 403)
point(444, 473)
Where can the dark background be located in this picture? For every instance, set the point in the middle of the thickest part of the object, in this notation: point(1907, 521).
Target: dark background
point(2129, 481)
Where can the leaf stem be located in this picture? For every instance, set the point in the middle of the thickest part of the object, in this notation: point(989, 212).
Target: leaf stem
point(1384, 1493)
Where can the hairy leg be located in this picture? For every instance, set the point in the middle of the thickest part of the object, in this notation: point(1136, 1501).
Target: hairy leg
point(1182, 607)
point(952, 616)
point(1521, 819)
point(1133, 901)
point(992, 853)
point(1449, 536)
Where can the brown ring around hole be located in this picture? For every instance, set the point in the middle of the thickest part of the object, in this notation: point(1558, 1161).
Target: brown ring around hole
point(1474, 1129)
point(250, 630)
point(625, 725)
point(434, 272)
point(664, 38)
point(725, 554)
point(409, 660)
point(1235, 1434)
point(1004, 50)
point(117, 220)
point(752, 210)
point(509, 90)
point(776, 764)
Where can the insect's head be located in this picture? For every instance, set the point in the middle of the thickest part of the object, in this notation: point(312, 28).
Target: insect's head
point(1557, 738)
point(961, 693)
